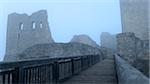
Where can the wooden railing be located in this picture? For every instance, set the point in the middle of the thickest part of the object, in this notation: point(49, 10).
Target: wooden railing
point(44, 71)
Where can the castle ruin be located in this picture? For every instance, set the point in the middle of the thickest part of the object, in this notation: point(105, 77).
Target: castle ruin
point(135, 17)
point(24, 31)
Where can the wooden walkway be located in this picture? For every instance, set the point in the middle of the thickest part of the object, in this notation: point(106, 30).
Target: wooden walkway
point(101, 73)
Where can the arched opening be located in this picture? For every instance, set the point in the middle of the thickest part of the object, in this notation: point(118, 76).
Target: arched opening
point(21, 26)
point(33, 25)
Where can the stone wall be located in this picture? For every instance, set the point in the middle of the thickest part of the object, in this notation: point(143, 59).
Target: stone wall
point(24, 31)
point(127, 74)
point(53, 50)
point(126, 46)
point(135, 17)
point(108, 40)
point(107, 52)
point(134, 51)
point(85, 39)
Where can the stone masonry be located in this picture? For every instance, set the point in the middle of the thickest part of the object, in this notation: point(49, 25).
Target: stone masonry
point(52, 50)
point(108, 40)
point(126, 46)
point(24, 31)
point(85, 39)
point(135, 17)
point(134, 50)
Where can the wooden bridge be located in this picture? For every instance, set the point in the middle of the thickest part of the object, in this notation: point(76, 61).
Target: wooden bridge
point(90, 69)
point(54, 70)
point(101, 73)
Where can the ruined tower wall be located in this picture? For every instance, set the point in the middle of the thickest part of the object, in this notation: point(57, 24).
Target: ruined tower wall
point(24, 31)
point(135, 17)
point(134, 50)
point(126, 46)
point(131, 47)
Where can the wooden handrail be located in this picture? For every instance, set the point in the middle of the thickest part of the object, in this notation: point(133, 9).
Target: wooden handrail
point(52, 70)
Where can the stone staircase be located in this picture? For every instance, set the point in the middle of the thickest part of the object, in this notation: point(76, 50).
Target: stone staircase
point(101, 73)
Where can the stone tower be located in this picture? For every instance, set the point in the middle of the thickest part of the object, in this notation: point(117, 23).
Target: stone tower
point(24, 31)
point(135, 17)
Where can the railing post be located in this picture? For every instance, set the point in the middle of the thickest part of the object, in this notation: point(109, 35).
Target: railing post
point(20, 75)
point(89, 61)
point(4, 79)
point(15, 76)
point(82, 63)
point(72, 61)
point(55, 72)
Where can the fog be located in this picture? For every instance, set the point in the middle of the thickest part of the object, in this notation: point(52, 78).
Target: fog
point(66, 17)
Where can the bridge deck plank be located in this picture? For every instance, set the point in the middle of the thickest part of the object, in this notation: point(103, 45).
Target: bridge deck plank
point(101, 73)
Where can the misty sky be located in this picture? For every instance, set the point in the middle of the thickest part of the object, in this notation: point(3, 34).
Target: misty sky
point(66, 17)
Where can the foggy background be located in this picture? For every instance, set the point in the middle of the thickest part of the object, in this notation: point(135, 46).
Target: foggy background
point(66, 17)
